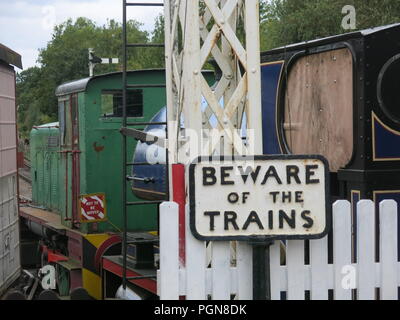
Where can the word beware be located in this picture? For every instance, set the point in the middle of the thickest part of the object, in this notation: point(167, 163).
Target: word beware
point(292, 175)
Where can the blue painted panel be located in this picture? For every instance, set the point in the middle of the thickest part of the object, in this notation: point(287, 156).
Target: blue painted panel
point(387, 143)
point(270, 76)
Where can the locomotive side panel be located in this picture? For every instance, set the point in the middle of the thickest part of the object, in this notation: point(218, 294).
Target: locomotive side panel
point(45, 175)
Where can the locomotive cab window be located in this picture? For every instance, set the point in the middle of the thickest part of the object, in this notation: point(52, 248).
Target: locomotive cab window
point(64, 117)
point(111, 103)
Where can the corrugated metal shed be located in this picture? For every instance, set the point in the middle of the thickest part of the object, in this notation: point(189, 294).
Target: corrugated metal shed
point(9, 228)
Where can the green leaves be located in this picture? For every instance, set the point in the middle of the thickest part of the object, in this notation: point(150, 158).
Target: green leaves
point(290, 21)
point(65, 58)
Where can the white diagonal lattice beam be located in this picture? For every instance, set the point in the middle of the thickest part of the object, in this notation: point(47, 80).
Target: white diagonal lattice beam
point(186, 58)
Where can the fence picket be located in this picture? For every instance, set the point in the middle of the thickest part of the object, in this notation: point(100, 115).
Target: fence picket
point(195, 265)
point(275, 263)
point(295, 270)
point(341, 248)
point(244, 262)
point(366, 250)
point(169, 251)
point(388, 249)
point(319, 269)
point(221, 254)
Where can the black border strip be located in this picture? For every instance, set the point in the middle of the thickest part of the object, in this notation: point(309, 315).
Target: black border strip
point(192, 201)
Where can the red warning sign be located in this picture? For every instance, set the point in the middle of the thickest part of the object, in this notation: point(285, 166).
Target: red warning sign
point(92, 207)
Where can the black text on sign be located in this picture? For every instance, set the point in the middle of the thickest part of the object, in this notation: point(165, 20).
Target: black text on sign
point(274, 197)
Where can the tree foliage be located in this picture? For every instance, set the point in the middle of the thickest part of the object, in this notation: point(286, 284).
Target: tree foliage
point(285, 22)
point(65, 58)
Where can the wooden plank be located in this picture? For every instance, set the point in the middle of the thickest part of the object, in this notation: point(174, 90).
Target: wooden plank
point(319, 91)
point(388, 250)
point(341, 248)
point(233, 278)
point(319, 269)
point(221, 253)
point(295, 270)
point(244, 263)
point(169, 251)
point(366, 250)
point(195, 265)
point(275, 266)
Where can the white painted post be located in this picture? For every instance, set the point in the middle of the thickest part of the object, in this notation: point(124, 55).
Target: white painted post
point(366, 250)
point(341, 248)
point(221, 277)
point(295, 270)
point(169, 251)
point(244, 263)
point(195, 265)
point(253, 74)
point(388, 249)
point(319, 269)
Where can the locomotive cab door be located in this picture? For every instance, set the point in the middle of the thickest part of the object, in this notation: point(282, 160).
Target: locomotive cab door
point(69, 128)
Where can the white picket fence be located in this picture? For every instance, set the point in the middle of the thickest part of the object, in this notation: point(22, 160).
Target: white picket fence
point(219, 280)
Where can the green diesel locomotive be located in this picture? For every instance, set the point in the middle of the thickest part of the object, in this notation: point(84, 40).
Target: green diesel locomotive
point(77, 161)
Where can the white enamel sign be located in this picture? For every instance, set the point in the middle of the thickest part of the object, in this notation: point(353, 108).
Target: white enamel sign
point(282, 197)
